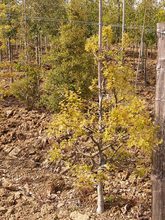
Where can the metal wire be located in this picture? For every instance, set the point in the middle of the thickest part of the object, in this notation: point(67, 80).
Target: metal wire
point(118, 25)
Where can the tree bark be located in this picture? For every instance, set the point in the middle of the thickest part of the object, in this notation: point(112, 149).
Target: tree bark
point(158, 174)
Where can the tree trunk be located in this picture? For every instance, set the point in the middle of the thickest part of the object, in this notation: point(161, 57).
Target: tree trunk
point(37, 49)
point(9, 50)
point(118, 21)
point(134, 55)
point(158, 175)
point(123, 30)
point(141, 51)
point(123, 22)
point(146, 81)
point(46, 44)
point(100, 198)
point(40, 49)
point(100, 208)
point(25, 31)
point(0, 55)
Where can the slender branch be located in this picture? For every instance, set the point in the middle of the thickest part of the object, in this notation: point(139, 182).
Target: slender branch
point(88, 129)
point(115, 96)
point(115, 152)
point(94, 141)
point(94, 154)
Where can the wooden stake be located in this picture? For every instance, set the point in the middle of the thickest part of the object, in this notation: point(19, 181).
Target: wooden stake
point(158, 174)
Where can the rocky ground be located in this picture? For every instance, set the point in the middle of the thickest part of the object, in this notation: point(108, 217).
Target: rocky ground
point(31, 187)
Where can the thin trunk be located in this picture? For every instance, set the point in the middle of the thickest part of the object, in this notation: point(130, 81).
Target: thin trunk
point(118, 28)
point(100, 207)
point(137, 49)
point(40, 49)
point(145, 67)
point(0, 55)
point(21, 45)
point(151, 52)
point(134, 55)
point(158, 174)
point(123, 18)
point(46, 44)
point(123, 30)
point(9, 50)
point(141, 51)
point(138, 67)
point(10, 57)
point(100, 75)
point(142, 54)
point(17, 46)
point(100, 201)
point(37, 50)
point(26, 32)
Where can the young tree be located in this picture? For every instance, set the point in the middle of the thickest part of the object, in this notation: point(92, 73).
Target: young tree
point(88, 139)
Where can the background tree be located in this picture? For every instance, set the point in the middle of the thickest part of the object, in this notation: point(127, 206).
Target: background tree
point(9, 25)
point(72, 67)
